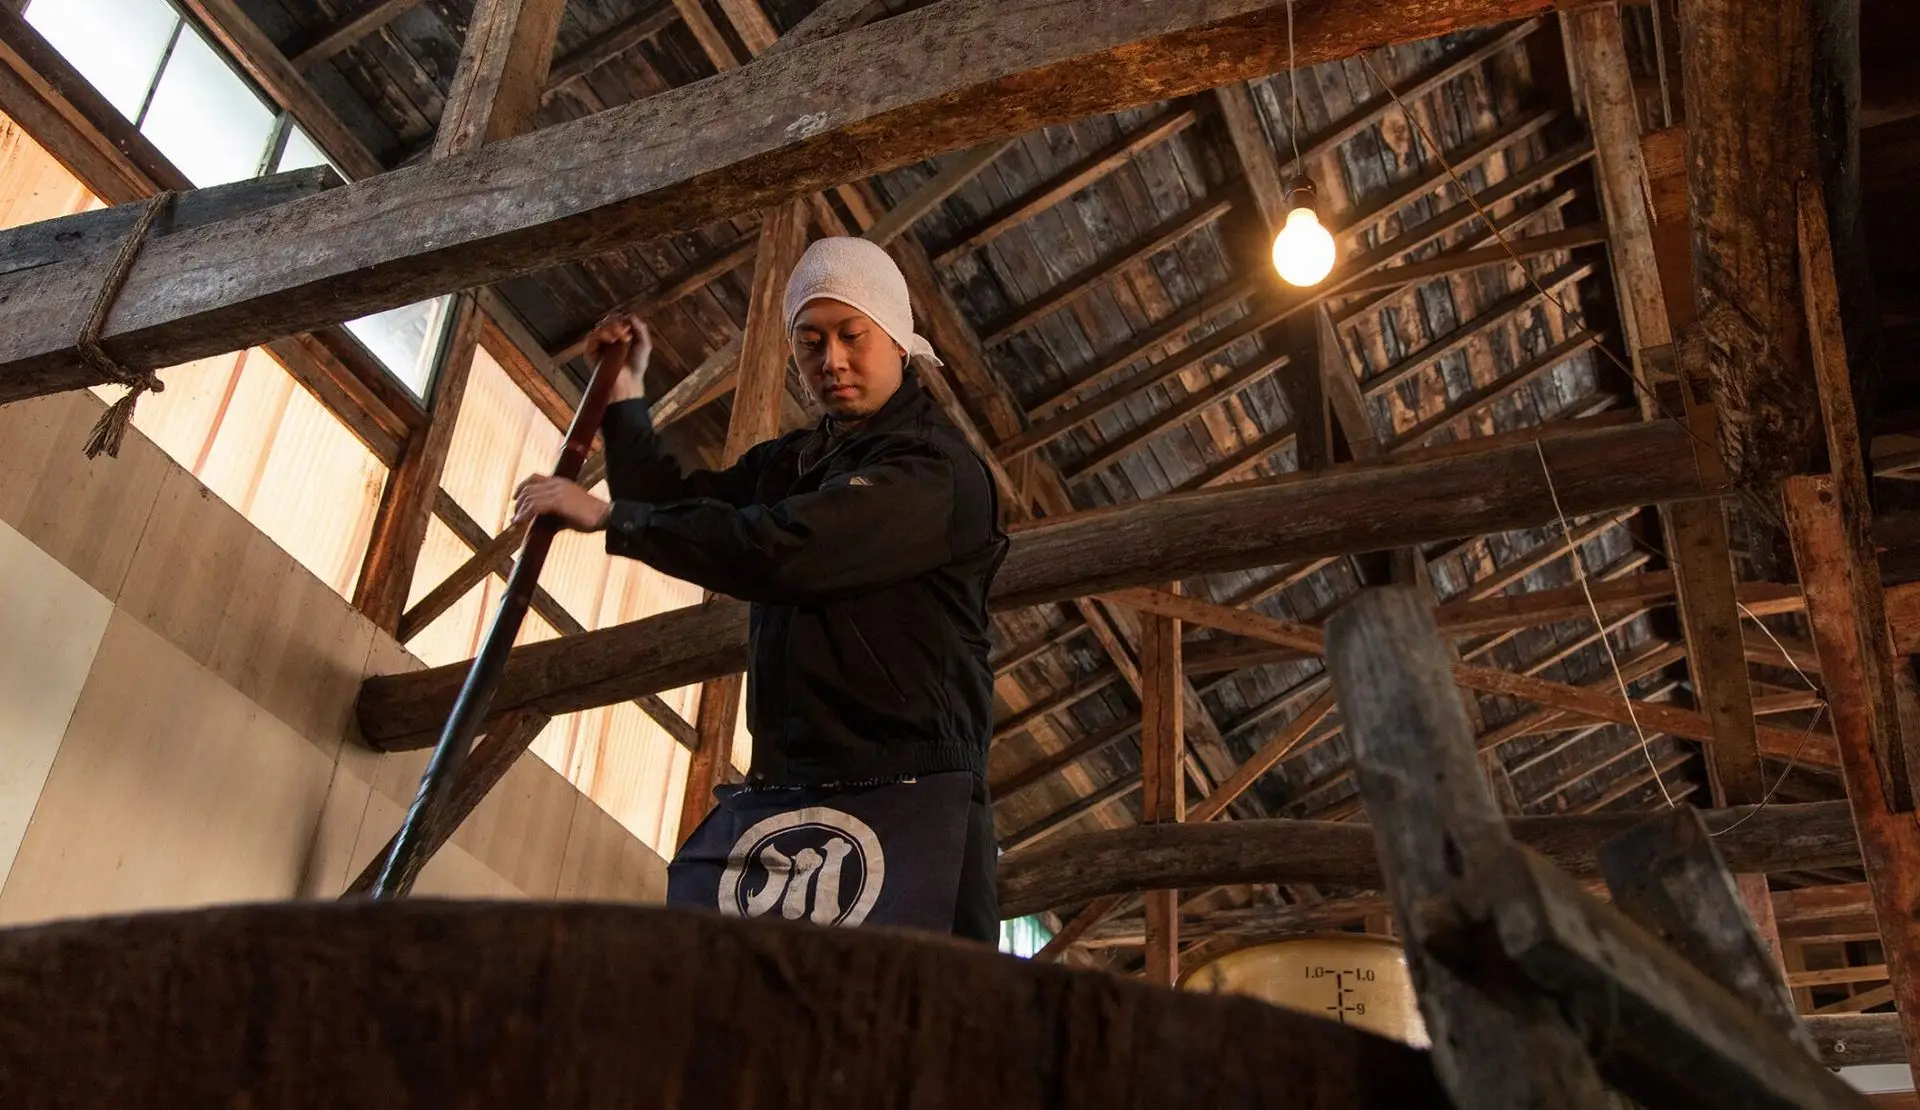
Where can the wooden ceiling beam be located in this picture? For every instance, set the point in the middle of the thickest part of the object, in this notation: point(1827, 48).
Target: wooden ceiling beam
point(1176, 415)
point(363, 19)
point(670, 162)
point(1201, 854)
point(1205, 212)
point(1367, 270)
point(1829, 522)
point(604, 46)
point(64, 113)
point(1520, 300)
point(1201, 213)
point(1646, 663)
point(1481, 397)
point(1346, 509)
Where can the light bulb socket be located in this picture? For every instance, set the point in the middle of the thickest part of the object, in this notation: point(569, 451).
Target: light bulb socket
point(1300, 193)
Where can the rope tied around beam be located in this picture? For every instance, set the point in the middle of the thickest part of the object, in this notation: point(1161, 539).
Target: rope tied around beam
point(111, 428)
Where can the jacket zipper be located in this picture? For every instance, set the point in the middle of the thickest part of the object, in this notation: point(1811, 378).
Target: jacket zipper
point(899, 695)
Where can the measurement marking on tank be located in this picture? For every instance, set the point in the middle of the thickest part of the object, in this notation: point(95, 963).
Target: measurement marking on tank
point(1346, 989)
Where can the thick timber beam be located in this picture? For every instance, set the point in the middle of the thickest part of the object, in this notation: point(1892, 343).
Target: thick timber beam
point(950, 75)
point(1340, 511)
point(1262, 523)
point(1074, 869)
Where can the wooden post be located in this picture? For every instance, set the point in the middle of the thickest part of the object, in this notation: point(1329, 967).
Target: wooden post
point(400, 524)
point(757, 402)
point(503, 65)
point(1889, 840)
point(1300, 382)
point(1163, 779)
point(1436, 825)
point(503, 69)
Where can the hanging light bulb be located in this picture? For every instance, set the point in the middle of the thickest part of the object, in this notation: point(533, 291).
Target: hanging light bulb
point(1303, 252)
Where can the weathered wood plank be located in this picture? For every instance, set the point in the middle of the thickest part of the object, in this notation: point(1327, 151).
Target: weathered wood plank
point(1495, 1044)
point(1666, 875)
point(1696, 535)
point(1359, 508)
point(1813, 750)
point(1661, 1031)
point(1593, 988)
point(947, 76)
point(360, 21)
point(1742, 169)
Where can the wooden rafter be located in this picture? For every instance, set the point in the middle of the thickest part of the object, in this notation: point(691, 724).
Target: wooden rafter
point(1163, 781)
point(1696, 534)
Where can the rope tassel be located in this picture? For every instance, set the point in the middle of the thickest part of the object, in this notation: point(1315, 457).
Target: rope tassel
point(111, 429)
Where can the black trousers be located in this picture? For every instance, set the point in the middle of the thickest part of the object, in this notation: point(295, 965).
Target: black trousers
point(976, 908)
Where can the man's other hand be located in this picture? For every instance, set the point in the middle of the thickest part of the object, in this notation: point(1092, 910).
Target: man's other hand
point(576, 508)
point(628, 329)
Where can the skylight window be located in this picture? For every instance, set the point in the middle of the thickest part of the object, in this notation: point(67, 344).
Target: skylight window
point(406, 340)
point(299, 153)
point(205, 119)
point(117, 45)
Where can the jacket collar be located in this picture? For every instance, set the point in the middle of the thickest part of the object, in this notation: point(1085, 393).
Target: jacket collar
point(904, 406)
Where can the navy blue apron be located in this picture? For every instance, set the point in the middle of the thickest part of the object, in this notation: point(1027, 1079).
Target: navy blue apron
point(869, 855)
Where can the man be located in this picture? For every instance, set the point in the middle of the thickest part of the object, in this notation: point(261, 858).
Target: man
point(865, 546)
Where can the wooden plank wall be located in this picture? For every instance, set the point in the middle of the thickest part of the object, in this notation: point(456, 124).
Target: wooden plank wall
point(189, 735)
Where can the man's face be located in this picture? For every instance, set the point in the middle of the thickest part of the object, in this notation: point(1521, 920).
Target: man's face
point(851, 365)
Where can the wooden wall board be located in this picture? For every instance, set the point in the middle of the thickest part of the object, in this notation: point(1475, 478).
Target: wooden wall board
point(51, 623)
point(213, 585)
point(87, 514)
point(170, 789)
point(604, 863)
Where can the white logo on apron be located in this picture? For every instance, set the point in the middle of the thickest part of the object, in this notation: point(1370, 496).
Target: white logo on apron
point(816, 864)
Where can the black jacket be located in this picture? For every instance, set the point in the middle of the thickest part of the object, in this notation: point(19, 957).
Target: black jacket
point(866, 560)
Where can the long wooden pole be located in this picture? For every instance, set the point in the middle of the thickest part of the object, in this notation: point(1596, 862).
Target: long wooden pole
point(415, 842)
